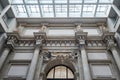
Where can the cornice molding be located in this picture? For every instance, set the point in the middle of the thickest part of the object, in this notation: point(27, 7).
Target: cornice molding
point(40, 39)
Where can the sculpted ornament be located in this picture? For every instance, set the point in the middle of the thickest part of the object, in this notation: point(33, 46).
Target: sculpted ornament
point(43, 28)
point(78, 28)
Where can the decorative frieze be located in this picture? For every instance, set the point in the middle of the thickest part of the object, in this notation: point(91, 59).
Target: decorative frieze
point(95, 43)
point(40, 38)
point(60, 43)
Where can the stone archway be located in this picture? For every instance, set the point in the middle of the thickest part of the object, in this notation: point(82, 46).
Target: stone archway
point(59, 61)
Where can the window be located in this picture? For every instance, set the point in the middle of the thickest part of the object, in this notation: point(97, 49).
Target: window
point(60, 72)
point(31, 1)
point(91, 31)
point(23, 56)
point(90, 1)
point(18, 70)
point(97, 56)
point(33, 8)
point(88, 10)
point(47, 10)
point(101, 70)
point(60, 1)
point(61, 32)
point(75, 1)
point(102, 10)
point(61, 10)
point(16, 1)
point(20, 8)
point(105, 1)
point(46, 1)
point(74, 10)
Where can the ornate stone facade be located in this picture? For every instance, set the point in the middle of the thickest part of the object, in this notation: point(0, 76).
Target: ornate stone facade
point(47, 54)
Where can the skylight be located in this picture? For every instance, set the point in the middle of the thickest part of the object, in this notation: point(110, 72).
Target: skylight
point(61, 8)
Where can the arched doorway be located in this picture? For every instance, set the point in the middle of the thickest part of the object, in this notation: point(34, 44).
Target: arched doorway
point(60, 73)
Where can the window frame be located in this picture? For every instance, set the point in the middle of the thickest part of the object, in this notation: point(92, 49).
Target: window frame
point(54, 68)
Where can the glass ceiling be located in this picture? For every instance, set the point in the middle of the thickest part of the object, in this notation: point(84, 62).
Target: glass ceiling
point(61, 8)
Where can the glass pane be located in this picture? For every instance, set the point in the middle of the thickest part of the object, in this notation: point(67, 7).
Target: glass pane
point(20, 8)
point(75, 1)
point(50, 74)
point(106, 1)
point(31, 1)
point(97, 56)
point(88, 10)
point(47, 10)
point(23, 56)
point(60, 72)
point(61, 10)
point(60, 1)
point(18, 70)
point(74, 10)
point(90, 1)
point(16, 1)
point(33, 10)
point(70, 74)
point(46, 1)
point(103, 10)
point(101, 70)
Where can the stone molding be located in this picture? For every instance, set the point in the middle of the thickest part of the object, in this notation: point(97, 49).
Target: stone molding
point(109, 39)
point(40, 39)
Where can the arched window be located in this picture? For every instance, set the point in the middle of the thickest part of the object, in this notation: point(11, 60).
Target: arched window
point(60, 73)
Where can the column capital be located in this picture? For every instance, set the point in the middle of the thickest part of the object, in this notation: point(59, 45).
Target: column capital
point(12, 39)
point(81, 37)
point(108, 37)
point(40, 37)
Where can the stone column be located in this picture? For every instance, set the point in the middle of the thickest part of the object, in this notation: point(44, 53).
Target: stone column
point(116, 56)
point(10, 45)
point(79, 67)
point(86, 69)
point(4, 56)
point(33, 65)
point(2, 40)
point(38, 74)
point(39, 37)
point(111, 45)
point(81, 37)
